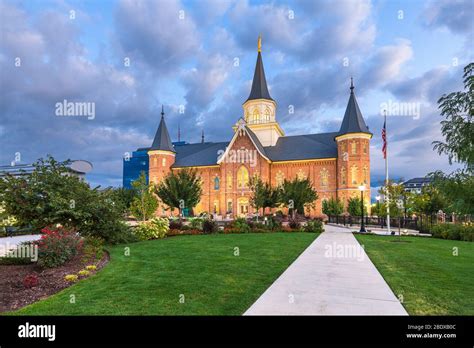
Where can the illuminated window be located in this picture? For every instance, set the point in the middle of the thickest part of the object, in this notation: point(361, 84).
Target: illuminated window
point(229, 206)
point(256, 115)
point(301, 175)
point(242, 177)
point(267, 114)
point(216, 183)
point(365, 175)
point(354, 147)
point(324, 177)
point(216, 207)
point(343, 176)
point(279, 178)
point(155, 162)
point(354, 175)
point(229, 180)
point(365, 149)
point(163, 162)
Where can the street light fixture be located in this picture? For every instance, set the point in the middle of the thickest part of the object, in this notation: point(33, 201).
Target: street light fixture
point(362, 224)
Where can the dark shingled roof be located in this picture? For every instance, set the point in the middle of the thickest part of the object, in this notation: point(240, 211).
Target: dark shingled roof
point(162, 139)
point(302, 147)
point(353, 121)
point(259, 85)
point(200, 154)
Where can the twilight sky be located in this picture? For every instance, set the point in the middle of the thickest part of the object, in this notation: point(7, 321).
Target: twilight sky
point(200, 55)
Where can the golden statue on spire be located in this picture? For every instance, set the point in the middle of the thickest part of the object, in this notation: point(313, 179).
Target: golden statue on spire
point(260, 43)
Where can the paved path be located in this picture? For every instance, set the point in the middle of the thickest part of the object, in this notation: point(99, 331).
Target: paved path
point(9, 243)
point(333, 276)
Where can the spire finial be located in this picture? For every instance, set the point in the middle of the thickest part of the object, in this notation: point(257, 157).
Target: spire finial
point(202, 136)
point(352, 84)
point(162, 111)
point(259, 43)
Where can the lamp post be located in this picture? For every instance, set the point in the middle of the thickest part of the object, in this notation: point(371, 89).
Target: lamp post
point(362, 224)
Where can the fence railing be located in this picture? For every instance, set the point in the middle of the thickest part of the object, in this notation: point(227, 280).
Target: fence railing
point(422, 223)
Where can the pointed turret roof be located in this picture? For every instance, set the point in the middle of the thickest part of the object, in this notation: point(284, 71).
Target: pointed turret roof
point(259, 85)
point(353, 121)
point(162, 139)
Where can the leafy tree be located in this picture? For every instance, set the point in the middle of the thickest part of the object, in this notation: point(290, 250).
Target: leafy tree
point(144, 204)
point(297, 194)
point(457, 189)
point(458, 110)
point(430, 201)
point(333, 206)
point(353, 206)
point(180, 189)
point(263, 194)
point(124, 198)
point(401, 201)
point(50, 196)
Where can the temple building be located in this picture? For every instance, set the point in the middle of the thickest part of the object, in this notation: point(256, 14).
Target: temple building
point(336, 163)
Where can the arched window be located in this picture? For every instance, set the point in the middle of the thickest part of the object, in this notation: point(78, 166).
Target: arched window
point(267, 114)
point(353, 147)
point(216, 183)
point(365, 149)
point(366, 171)
point(163, 162)
point(343, 176)
point(279, 178)
point(242, 177)
point(155, 163)
point(256, 115)
point(229, 180)
point(324, 177)
point(354, 175)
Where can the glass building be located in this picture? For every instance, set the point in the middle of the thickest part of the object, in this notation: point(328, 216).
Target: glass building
point(133, 166)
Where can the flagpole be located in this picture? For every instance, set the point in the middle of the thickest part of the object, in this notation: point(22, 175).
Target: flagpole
point(387, 193)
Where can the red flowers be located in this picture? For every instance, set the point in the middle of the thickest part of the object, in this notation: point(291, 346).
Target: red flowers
point(57, 245)
point(30, 281)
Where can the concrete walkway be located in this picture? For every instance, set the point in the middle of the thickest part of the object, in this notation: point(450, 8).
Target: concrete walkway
point(333, 276)
point(9, 243)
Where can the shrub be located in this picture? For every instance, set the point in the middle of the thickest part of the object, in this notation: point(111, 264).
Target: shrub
point(294, 224)
point(209, 226)
point(314, 226)
point(93, 248)
point(175, 224)
point(57, 246)
point(83, 272)
point(274, 223)
point(71, 277)
point(155, 228)
point(463, 232)
point(196, 223)
point(241, 225)
point(30, 281)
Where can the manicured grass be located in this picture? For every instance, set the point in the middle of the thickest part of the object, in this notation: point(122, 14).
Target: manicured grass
point(152, 280)
point(431, 279)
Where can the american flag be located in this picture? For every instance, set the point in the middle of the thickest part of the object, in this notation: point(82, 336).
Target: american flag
point(384, 138)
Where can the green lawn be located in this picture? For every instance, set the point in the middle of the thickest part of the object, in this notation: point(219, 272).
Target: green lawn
point(202, 268)
point(431, 280)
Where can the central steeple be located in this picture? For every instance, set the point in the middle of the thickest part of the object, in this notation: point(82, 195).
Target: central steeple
point(260, 108)
point(259, 84)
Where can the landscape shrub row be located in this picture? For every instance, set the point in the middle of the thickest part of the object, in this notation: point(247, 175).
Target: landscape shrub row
point(464, 231)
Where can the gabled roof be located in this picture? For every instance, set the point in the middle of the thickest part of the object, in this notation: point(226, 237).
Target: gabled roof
point(242, 127)
point(353, 121)
point(259, 84)
point(162, 140)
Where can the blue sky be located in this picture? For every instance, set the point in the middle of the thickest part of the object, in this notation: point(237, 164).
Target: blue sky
point(398, 51)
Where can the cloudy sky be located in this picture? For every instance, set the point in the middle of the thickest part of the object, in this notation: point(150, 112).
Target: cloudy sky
point(129, 57)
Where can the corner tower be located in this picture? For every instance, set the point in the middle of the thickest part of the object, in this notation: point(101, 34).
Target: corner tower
point(353, 148)
point(260, 108)
point(161, 153)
